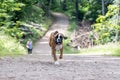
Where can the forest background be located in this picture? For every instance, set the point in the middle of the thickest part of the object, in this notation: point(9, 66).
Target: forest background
point(24, 19)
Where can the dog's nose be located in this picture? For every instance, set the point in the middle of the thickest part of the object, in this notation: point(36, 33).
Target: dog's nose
point(58, 40)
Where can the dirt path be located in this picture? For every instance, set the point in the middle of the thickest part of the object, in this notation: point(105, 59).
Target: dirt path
point(39, 65)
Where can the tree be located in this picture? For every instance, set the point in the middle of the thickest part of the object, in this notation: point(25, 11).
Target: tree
point(49, 8)
point(105, 3)
point(117, 2)
point(108, 26)
point(103, 8)
point(77, 10)
point(8, 11)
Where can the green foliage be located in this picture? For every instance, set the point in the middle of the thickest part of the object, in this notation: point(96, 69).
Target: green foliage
point(8, 22)
point(13, 30)
point(31, 13)
point(93, 10)
point(68, 49)
point(35, 33)
point(116, 51)
point(108, 26)
point(56, 6)
point(88, 10)
point(10, 46)
point(16, 17)
point(14, 12)
point(70, 10)
point(72, 26)
point(7, 11)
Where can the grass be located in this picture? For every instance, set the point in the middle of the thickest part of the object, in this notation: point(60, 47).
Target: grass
point(116, 51)
point(68, 49)
point(71, 28)
point(10, 46)
point(107, 49)
point(47, 23)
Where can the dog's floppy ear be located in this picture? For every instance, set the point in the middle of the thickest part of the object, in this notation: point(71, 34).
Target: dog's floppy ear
point(64, 36)
point(55, 33)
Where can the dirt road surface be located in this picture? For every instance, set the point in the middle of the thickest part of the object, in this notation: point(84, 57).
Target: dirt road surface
point(40, 66)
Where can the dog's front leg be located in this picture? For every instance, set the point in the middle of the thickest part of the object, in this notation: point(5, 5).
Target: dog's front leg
point(61, 53)
point(54, 55)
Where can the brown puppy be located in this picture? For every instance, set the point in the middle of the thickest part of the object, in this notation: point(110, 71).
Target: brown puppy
point(56, 43)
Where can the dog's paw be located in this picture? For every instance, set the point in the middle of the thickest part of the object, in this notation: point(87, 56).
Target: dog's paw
point(52, 55)
point(57, 63)
point(60, 57)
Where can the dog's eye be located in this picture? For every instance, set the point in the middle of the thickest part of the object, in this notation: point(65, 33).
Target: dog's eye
point(56, 37)
point(61, 37)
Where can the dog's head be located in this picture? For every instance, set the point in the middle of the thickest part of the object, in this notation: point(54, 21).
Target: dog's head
point(58, 37)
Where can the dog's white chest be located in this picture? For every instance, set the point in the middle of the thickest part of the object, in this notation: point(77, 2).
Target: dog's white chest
point(58, 47)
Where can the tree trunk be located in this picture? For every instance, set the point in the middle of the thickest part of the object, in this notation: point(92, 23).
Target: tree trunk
point(50, 1)
point(117, 22)
point(76, 8)
point(103, 8)
point(64, 5)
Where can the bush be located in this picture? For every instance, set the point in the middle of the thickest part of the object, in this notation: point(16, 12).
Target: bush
point(108, 26)
point(10, 46)
point(73, 26)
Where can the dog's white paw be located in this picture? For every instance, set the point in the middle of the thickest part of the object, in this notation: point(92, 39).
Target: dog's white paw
point(57, 63)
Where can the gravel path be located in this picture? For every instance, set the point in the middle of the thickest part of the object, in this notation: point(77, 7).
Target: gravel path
point(39, 65)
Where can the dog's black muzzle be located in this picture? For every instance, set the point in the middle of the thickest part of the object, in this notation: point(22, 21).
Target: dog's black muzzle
point(58, 41)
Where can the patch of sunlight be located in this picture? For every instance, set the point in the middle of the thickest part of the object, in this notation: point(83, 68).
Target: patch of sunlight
point(10, 46)
point(107, 49)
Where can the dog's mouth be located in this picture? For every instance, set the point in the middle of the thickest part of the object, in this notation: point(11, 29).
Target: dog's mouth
point(59, 43)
